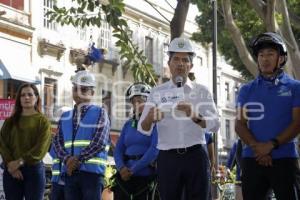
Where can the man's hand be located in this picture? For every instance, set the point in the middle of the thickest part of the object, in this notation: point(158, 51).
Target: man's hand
point(185, 107)
point(72, 164)
point(125, 173)
point(212, 170)
point(262, 149)
point(265, 161)
point(154, 115)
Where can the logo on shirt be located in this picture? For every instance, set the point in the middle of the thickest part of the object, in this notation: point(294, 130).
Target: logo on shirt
point(284, 92)
point(169, 98)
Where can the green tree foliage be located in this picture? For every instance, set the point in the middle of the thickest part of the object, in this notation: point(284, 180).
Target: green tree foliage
point(247, 21)
point(91, 13)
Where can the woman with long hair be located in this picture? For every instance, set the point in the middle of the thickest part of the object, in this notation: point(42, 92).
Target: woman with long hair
point(24, 140)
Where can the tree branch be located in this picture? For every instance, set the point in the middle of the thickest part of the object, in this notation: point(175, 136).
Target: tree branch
point(289, 37)
point(258, 6)
point(295, 19)
point(157, 11)
point(269, 18)
point(238, 38)
point(266, 11)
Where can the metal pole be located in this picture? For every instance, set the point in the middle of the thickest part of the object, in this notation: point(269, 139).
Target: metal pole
point(214, 62)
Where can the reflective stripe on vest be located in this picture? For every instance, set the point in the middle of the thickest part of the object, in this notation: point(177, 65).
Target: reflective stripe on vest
point(77, 143)
point(97, 161)
point(83, 137)
point(55, 172)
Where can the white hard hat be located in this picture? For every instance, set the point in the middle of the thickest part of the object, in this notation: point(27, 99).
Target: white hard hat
point(181, 44)
point(138, 89)
point(84, 78)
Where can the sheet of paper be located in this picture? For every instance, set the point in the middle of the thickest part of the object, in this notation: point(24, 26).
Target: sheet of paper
point(167, 100)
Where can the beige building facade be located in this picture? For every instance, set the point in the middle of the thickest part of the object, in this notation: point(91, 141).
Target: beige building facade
point(33, 49)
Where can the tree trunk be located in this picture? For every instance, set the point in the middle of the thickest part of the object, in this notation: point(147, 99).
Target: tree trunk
point(269, 18)
point(179, 18)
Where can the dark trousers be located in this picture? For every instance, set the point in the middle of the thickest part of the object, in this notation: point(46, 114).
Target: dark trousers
point(32, 187)
point(137, 188)
point(186, 171)
point(57, 191)
point(83, 186)
point(257, 180)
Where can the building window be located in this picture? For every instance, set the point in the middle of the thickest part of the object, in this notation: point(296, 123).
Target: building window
point(199, 61)
point(17, 4)
point(129, 33)
point(165, 56)
point(227, 91)
point(227, 129)
point(82, 33)
point(105, 35)
point(149, 49)
point(48, 6)
point(236, 92)
point(50, 94)
point(12, 88)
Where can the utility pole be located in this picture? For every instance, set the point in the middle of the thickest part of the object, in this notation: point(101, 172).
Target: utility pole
point(214, 67)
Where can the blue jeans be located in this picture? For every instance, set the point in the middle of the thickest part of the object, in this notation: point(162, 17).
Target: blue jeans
point(83, 186)
point(32, 187)
point(57, 191)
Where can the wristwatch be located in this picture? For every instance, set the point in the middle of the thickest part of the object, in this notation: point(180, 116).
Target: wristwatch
point(275, 143)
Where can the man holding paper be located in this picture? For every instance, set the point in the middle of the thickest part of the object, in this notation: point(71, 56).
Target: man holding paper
point(183, 111)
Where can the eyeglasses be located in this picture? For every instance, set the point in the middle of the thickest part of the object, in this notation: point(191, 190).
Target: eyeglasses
point(81, 89)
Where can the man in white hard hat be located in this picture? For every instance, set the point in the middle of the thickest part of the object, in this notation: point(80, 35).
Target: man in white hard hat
point(82, 142)
point(183, 111)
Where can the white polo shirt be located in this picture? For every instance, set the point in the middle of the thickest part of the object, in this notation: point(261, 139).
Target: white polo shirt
point(178, 131)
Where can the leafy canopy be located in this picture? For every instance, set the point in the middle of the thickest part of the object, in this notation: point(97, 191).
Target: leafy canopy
point(247, 21)
point(92, 13)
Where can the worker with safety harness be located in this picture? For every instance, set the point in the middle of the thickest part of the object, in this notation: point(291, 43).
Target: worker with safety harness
point(267, 122)
point(135, 153)
point(82, 142)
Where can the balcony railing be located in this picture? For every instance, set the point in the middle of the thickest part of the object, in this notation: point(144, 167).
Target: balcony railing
point(15, 20)
point(112, 58)
point(15, 16)
point(112, 55)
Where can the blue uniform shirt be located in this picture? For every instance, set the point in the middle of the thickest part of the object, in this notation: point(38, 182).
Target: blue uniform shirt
point(269, 106)
point(132, 142)
point(208, 138)
point(232, 159)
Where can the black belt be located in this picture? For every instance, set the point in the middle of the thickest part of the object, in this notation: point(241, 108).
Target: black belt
point(132, 157)
point(184, 150)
